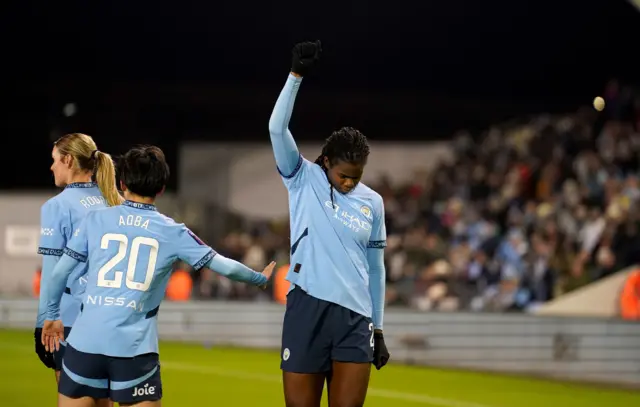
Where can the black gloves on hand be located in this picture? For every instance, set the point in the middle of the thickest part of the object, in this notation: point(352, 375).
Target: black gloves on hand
point(305, 56)
point(45, 357)
point(380, 352)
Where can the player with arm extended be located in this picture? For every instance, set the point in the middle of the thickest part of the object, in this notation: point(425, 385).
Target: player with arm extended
point(333, 321)
point(76, 160)
point(112, 351)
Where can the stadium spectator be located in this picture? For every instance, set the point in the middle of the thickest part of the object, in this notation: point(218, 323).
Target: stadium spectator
point(527, 211)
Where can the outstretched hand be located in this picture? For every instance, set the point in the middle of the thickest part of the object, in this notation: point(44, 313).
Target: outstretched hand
point(267, 272)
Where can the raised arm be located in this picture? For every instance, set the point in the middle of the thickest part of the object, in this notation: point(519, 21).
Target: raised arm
point(284, 146)
point(288, 158)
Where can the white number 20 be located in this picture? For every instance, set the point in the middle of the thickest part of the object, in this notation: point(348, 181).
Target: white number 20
point(371, 342)
point(116, 281)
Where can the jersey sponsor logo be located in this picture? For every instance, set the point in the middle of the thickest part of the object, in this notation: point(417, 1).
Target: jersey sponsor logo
point(107, 301)
point(348, 219)
point(146, 390)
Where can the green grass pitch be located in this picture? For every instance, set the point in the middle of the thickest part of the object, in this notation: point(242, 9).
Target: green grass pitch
point(193, 374)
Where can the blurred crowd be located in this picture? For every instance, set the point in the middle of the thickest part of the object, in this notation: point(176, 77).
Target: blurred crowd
point(526, 211)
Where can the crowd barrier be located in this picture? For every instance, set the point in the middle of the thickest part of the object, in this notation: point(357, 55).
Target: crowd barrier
point(595, 350)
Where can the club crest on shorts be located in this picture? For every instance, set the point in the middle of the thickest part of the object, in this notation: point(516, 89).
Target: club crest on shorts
point(286, 354)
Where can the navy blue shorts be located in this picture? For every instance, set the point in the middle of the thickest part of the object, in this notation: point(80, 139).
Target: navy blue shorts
point(123, 380)
point(316, 332)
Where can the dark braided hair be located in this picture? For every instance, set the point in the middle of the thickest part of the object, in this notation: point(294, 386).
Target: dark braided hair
point(346, 144)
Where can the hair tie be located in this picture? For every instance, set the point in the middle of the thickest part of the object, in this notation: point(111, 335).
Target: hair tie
point(93, 154)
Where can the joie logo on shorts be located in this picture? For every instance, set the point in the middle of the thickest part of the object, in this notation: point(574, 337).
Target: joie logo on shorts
point(144, 391)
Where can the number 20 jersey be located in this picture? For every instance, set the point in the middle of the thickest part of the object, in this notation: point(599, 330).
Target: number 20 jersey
point(130, 250)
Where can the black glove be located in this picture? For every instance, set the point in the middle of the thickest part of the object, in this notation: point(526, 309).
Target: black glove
point(305, 55)
point(380, 352)
point(45, 357)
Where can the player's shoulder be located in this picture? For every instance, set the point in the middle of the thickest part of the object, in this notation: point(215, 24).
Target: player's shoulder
point(95, 214)
point(312, 170)
point(55, 203)
point(312, 165)
point(177, 229)
point(167, 220)
point(370, 194)
point(104, 211)
point(168, 223)
point(302, 166)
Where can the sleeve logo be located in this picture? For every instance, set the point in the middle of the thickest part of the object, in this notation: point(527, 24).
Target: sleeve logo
point(47, 231)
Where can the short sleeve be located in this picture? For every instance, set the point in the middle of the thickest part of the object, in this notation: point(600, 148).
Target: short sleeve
point(378, 239)
point(54, 223)
point(298, 175)
point(78, 246)
point(192, 250)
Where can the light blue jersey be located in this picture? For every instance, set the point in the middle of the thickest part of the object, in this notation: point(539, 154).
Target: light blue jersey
point(130, 250)
point(336, 245)
point(59, 217)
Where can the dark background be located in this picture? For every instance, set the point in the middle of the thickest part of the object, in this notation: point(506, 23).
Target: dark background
point(165, 72)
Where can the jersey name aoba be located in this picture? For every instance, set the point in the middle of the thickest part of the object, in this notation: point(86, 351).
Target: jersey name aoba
point(131, 220)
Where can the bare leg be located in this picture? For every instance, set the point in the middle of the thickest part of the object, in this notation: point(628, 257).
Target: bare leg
point(348, 384)
point(157, 403)
point(104, 403)
point(303, 389)
point(64, 401)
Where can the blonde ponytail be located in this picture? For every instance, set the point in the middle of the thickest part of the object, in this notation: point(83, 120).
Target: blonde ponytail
point(87, 158)
point(105, 174)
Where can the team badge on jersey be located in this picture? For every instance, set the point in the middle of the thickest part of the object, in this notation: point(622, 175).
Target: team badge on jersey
point(366, 211)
